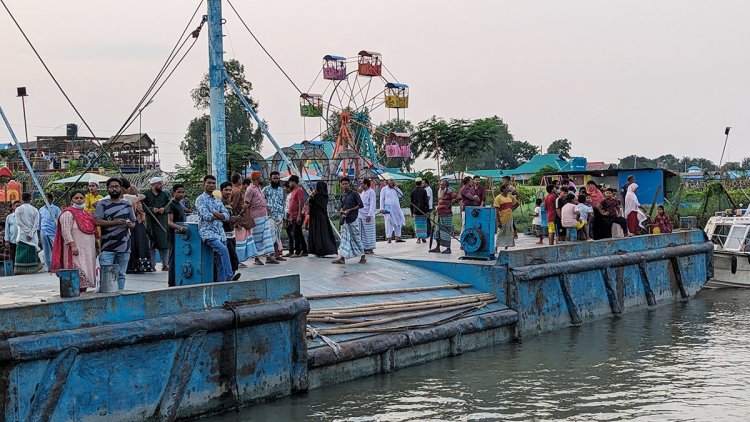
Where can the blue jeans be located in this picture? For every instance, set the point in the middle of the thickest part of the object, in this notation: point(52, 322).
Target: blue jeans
point(47, 242)
point(121, 259)
point(224, 266)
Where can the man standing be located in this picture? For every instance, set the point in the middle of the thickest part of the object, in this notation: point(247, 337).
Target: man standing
point(469, 198)
point(211, 213)
point(351, 239)
point(274, 195)
point(11, 230)
point(157, 200)
point(430, 197)
point(92, 197)
point(226, 193)
point(480, 190)
point(366, 218)
point(115, 216)
point(27, 217)
point(419, 210)
point(257, 207)
point(47, 227)
point(288, 226)
point(390, 205)
point(444, 211)
point(297, 216)
point(175, 216)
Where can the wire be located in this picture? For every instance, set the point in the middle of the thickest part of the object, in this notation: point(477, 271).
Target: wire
point(49, 72)
point(264, 48)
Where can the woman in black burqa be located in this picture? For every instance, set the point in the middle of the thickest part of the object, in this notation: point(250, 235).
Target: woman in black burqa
point(321, 241)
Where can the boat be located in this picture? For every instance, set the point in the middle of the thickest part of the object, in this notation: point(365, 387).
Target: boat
point(730, 234)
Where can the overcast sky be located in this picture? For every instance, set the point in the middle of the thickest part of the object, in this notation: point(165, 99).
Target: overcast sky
point(615, 78)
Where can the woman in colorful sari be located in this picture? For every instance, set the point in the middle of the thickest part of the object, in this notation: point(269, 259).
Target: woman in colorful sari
point(75, 242)
point(504, 204)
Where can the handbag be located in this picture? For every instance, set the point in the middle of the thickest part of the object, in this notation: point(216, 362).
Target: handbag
point(245, 221)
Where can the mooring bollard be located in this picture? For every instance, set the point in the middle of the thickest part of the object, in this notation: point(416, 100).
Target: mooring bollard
point(109, 278)
point(7, 269)
point(70, 283)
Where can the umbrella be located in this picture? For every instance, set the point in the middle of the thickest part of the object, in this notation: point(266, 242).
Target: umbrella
point(85, 179)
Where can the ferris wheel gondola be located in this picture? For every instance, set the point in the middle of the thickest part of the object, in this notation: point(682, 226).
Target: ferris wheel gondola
point(347, 105)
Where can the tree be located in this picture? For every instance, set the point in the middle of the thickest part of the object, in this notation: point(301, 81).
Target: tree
point(242, 139)
point(536, 179)
point(470, 144)
point(380, 142)
point(560, 147)
point(746, 163)
point(636, 161)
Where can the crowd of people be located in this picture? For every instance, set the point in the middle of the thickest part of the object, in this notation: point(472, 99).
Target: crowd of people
point(242, 221)
point(592, 212)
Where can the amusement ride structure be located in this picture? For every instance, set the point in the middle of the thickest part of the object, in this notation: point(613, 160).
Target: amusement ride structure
point(345, 105)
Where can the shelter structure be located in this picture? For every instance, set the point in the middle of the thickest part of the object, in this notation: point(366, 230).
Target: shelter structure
point(133, 153)
point(652, 183)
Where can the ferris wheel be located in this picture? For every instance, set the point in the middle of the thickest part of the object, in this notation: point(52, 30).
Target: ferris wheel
point(346, 103)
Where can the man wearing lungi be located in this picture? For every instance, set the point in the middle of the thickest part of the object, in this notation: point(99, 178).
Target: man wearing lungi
point(419, 208)
point(27, 239)
point(275, 199)
point(351, 239)
point(366, 218)
point(390, 205)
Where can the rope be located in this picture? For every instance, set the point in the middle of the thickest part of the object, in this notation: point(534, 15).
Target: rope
point(264, 48)
point(312, 333)
point(235, 322)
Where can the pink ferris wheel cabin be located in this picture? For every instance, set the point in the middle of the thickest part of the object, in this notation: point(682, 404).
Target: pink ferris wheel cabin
point(334, 68)
point(370, 63)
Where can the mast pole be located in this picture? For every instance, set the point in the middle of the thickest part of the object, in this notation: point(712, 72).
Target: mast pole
point(216, 84)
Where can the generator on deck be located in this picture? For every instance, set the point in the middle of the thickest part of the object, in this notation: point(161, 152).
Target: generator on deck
point(193, 260)
point(478, 237)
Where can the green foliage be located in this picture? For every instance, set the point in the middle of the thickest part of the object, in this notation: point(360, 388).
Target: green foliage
point(243, 140)
point(463, 144)
point(560, 147)
point(669, 161)
point(536, 179)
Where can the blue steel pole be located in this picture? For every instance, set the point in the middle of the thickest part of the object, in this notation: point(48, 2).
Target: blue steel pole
point(264, 129)
point(216, 84)
point(260, 123)
point(25, 159)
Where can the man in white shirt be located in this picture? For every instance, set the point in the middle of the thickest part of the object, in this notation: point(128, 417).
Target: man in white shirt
point(11, 230)
point(366, 218)
point(27, 240)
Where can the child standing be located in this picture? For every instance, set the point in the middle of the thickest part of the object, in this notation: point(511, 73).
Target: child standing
point(536, 222)
point(586, 212)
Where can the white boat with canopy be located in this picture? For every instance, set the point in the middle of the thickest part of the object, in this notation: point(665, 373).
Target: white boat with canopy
point(730, 235)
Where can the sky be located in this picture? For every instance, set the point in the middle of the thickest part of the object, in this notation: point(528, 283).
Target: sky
point(614, 77)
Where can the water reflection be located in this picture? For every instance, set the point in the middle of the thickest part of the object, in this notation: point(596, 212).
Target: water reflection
point(689, 361)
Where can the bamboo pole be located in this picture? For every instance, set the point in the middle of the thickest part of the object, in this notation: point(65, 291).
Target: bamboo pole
point(401, 308)
point(365, 327)
point(388, 291)
point(399, 302)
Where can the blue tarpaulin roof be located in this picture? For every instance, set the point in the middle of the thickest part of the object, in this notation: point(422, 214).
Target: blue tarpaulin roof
point(332, 57)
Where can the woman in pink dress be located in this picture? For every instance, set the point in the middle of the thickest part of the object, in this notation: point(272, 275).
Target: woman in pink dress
point(75, 242)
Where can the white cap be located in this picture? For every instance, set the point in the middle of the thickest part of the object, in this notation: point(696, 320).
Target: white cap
point(154, 180)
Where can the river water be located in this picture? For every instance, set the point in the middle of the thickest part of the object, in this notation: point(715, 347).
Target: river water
point(687, 361)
